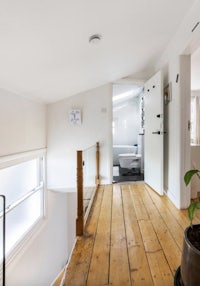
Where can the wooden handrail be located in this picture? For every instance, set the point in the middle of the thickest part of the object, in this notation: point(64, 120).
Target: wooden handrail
point(80, 212)
point(97, 164)
point(80, 217)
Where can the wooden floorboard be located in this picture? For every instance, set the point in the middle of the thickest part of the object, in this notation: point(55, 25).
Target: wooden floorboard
point(132, 237)
point(119, 262)
point(101, 250)
point(139, 267)
point(166, 237)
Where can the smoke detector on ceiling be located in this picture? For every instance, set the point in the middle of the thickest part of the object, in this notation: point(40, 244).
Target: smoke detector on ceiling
point(95, 39)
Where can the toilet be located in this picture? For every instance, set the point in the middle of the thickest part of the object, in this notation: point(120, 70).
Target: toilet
point(130, 160)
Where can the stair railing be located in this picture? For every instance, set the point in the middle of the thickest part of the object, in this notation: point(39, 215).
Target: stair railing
point(88, 179)
point(80, 216)
point(97, 164)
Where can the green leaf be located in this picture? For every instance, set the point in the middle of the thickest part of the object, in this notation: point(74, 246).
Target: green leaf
point(192, 209)
point(189, 174)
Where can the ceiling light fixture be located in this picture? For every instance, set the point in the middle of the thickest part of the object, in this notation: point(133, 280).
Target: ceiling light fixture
point(95, 39)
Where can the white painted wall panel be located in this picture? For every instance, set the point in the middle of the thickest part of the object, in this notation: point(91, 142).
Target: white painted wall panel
point(22, 124)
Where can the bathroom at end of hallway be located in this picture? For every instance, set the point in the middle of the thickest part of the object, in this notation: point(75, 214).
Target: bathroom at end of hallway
point(128, 132)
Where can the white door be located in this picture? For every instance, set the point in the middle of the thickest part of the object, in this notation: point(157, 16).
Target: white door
point(153, 138)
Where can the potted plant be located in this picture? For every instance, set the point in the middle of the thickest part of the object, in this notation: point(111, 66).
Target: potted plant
point(190, 261)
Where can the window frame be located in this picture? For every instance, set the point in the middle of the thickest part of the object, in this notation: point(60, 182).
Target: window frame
point(15, 159)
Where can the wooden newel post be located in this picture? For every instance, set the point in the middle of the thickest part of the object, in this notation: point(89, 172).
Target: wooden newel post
point(97, 181)
point(80, 217)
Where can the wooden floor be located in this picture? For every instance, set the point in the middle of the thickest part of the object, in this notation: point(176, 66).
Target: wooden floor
point(133, 237)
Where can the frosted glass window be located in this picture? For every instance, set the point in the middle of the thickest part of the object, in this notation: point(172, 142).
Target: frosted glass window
point(1, 238)
point(22, 184)
point(1, 248)
point(2, 242)
point(21, 219)
point(1, 233)
point(17, 180)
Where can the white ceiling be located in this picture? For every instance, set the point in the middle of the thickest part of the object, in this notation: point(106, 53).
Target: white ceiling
point(44, 49)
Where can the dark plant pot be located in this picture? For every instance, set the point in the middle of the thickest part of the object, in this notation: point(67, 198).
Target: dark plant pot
point(190, 262)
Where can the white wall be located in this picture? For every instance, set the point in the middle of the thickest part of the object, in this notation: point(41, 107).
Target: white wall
point(177, 139)
point(22, 124)
point(64, 139)
point(48, 250)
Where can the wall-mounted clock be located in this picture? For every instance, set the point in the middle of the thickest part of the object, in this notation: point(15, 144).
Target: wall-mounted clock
point(75, 116)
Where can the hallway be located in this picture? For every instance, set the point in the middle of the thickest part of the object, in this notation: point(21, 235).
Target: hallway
point(132, 237)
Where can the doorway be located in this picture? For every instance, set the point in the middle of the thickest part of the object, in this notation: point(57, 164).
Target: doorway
point(128, 132)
